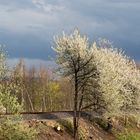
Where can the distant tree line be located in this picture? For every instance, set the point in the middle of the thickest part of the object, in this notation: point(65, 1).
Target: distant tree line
point(35, 89)
point(39, 89)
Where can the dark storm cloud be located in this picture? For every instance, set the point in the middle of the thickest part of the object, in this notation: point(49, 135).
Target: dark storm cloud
point(29, 46)
point(27, 26)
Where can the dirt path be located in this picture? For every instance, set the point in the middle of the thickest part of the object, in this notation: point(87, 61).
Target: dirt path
point(51, 115)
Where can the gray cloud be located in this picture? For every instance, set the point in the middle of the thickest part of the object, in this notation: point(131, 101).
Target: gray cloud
point(27, 27)
point(16, 4)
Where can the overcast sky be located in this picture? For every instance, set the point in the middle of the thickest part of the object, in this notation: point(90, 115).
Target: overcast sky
point(27, 27)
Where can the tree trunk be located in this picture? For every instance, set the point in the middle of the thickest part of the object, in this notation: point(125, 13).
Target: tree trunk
point(43, 103)
point(75, 119)
point(30, 101)
point(22, 97)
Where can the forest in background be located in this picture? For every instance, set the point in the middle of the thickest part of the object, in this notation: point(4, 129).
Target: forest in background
point(39, 89)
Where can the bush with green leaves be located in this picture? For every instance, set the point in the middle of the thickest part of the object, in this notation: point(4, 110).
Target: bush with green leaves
point(67, 124)
point(11, 127)
point(16, 130)
point(8, 89)
point(9, 102)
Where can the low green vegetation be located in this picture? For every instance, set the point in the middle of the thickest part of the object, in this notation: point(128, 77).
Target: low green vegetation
point(128, 136)
point(16, 130)
point(81, 134)
point(68, 127)
point(66, 124)
point(11, 127)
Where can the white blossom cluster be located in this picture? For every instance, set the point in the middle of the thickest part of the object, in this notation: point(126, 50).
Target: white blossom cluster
point(71, 51)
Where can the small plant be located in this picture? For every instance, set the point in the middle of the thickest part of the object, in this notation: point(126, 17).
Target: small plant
point(81, 134)
point(101, 122)
point(67, 125)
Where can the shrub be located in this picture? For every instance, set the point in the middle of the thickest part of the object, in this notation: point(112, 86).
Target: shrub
point(102, 122)
point(67, 124)
point(16, 130)
point(11, 127)
point(81, 134)
point(9, 103)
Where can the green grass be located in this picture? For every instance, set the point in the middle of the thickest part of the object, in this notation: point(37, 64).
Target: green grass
point(128, 136)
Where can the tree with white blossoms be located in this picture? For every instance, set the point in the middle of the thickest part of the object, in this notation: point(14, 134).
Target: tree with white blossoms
point(119, 79)
point(74, 62)
point(103, 77)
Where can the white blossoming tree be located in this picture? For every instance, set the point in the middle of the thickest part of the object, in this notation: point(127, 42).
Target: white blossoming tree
point(74, 62)
point(119, 79)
